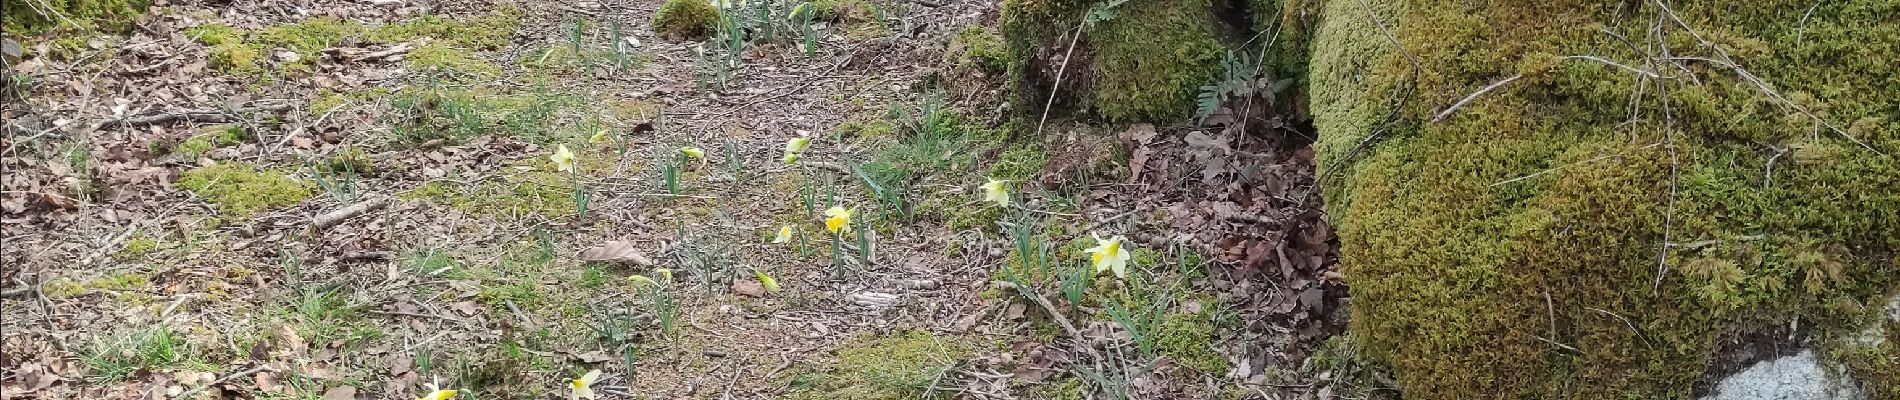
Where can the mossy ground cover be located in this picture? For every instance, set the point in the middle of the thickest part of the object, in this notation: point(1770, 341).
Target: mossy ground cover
point(473, 273)
point(1539, 213)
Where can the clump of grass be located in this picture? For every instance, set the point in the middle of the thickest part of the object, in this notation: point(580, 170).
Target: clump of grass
point(118, 358)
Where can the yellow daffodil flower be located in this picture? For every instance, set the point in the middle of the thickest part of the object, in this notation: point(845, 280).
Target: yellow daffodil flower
point(563, 159)
point(996, 191)
point(599, 137)
point(771, 285)
point(837, 219)
point(784, 235)
point(439, 395)
point(693, 153)
point(1108, 254)
point(796, 11)
point(584, 386)
point(797, 144)
point(664, 273)
point(640, 280)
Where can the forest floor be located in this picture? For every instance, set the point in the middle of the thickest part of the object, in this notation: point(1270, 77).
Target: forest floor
point(333, 200)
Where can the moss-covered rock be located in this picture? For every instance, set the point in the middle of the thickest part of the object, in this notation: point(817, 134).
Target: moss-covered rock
point(1581, 232)
point(241, 190)
point(1143, 64)
point(978, 47)
point(685, 19)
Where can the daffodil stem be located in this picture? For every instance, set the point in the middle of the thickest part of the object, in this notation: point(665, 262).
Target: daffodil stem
point(580, 195)
point(837, 248)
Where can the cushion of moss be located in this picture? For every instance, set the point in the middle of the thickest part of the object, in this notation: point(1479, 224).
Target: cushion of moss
point(451, 46)
point(685, 19)
point(240, 189)
point(1145, 64)
point(27, 17)
point(899, 365)
point(1458, 280)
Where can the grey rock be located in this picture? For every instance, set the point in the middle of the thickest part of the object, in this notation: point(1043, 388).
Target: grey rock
point(1798, 377)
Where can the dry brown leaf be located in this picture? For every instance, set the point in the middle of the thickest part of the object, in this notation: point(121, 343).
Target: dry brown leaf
point(616, 251)
point(752, 289)
point(340, 393)
point(468, 308)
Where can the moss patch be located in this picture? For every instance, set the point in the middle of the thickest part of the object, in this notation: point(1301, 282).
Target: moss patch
point(899, 365)
point(1145, 64)
point(685, 19)
point(978, 47)
point(438, 57)
point(240, 189)
point(1150, 59)
point(1457, 278)
point(31, 17)
point(446, 44)
point(537, 190)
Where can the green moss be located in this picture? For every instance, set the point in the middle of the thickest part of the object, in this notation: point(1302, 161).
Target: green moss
point(237, 57)
point(1150, 60)
point(490, 31)
point(34, 17)
point(115, 281)
point(979, 47)
point(1066, 389)
point(446, 44)
point(900, 365)
point(1875, 360)
point(240, 189)
point(1457, 277)
point(1145, 64)
point(1188, 340)
point(541, 191)
point(865, 128)
point(213, 34)
point(308, 37)
point(440, 57)
point(685, 19)
point(137, 247)
point(194, 147)
point(1021, 163)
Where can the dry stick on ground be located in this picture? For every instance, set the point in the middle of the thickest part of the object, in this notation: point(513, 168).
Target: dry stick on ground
point(1053, 314)
point(204, 116)
point(332, 218)
point(1057, 86)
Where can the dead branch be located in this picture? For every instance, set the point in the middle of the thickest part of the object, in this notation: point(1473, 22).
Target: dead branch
point(1474, 95)
point(1053, 314)
point(199, 116)
point(332, 218)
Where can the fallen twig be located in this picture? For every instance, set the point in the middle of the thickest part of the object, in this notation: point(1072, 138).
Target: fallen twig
point(1474, 95)
point(332, 218)
point(1053, 314)
point(201, 116)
